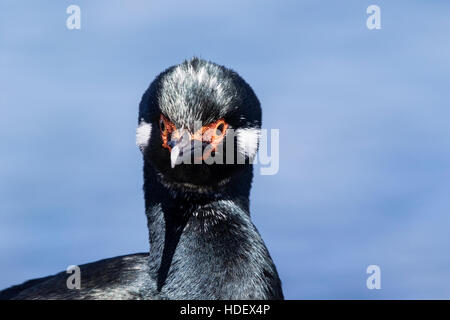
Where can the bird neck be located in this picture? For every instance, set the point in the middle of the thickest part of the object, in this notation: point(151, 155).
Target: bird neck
point(198, 241)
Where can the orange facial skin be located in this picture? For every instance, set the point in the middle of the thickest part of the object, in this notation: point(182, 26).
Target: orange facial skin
point(212, 134)
point(167, 128)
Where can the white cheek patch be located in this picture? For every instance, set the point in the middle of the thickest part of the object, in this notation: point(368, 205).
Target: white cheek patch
point(247, 141)
point(143, 133)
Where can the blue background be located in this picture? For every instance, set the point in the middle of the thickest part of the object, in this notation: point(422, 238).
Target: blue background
point(364, 125)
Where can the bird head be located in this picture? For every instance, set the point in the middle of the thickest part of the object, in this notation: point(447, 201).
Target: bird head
point(199, 124)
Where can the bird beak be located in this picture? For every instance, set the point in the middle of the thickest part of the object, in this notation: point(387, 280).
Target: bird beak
point(175, 155)
point(185, 146)
point(182, 146)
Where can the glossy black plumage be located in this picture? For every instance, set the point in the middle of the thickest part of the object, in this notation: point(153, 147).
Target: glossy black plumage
point(203, 244)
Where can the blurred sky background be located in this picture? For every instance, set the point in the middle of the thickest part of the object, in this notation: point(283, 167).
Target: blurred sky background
point(364, 125)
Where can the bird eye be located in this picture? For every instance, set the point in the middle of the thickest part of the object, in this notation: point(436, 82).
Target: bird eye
point(162, 124)
point(219, 129)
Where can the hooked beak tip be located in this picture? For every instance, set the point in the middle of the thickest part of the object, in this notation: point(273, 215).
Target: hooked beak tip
point(175, 152)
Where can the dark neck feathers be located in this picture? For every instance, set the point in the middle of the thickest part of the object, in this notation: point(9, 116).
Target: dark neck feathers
point(203, 245)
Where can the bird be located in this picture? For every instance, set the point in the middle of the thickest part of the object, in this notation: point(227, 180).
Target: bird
point(199, 127)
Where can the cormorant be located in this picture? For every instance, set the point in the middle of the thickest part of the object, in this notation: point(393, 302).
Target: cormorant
point(198, 131)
